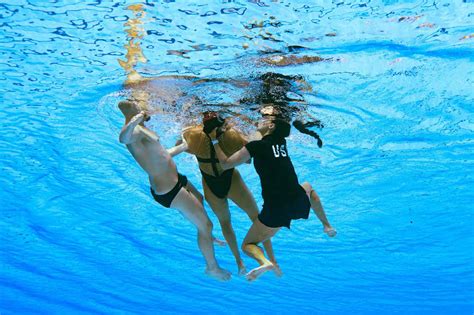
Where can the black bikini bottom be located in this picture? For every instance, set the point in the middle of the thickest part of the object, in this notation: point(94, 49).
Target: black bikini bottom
point(219, 185)
point(166, 199)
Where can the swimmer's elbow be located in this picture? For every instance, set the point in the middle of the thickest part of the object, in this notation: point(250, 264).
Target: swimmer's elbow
point(124, 139)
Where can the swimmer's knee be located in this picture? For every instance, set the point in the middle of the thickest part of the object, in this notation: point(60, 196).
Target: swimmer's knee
point(253, 215)
point(206, 227)
point(245, 245)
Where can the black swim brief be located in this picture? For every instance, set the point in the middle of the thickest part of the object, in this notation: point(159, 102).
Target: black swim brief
point(279, 213)
point(166, 199)
point(219, 185)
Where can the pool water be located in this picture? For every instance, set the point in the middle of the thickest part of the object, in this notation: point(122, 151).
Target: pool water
point(80, 234)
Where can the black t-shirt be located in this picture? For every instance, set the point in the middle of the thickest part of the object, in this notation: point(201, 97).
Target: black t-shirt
point(274, 167)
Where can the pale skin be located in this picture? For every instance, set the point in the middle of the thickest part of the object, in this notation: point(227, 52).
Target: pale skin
point(258, 232)
point(157, 162)
point(238, 192)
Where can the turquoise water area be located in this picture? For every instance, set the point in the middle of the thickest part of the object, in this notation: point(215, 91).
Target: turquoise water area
point(80, 234)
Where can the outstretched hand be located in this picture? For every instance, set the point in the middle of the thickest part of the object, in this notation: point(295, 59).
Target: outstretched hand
point(178, 142)
point(222, 129)
point(182, 140)
point(140, 117)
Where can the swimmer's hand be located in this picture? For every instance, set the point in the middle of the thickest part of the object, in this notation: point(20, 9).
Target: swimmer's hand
point(182, 141)
point(223, 129)
point(180, 146)
point(140, 117)
point(127, 135)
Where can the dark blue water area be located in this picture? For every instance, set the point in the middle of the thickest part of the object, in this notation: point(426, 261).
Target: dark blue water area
point(80, 234)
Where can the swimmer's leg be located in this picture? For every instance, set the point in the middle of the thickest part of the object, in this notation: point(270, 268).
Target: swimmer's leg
point(193, 210)
point(240, 194)
point(258, 233)
point(221, 209)
point(318, 209)
point(193, 190)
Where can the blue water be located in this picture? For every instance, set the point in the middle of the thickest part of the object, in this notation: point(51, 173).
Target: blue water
point(79, 233)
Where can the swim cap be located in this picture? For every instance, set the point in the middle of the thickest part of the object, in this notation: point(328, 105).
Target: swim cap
point(211, 121)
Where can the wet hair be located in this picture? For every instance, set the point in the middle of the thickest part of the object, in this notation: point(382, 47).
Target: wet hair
point(275, 88)
point(282, 125)
point(282, 128)
point(303, 128)
point(212, 120)
point(275, 91)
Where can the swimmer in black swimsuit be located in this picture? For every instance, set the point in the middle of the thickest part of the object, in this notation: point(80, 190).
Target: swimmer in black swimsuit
point(284, 198)
point(168, 187)
point(220, 185)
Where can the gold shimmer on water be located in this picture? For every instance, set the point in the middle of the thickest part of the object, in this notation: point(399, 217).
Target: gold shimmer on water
point(134, 28)
point(262, 34)
point(135, 33)
point(467, 37)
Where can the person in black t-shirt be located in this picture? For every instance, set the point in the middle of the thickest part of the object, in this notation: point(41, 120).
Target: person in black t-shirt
point(284, 199)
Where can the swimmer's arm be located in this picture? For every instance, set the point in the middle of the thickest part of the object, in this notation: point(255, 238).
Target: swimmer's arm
point(178, 149)
point(189, 136)
point(239, 138)
point(235, 159)
point(127, 136)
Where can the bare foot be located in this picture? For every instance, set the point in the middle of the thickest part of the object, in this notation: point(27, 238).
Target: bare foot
point(277, 270)
point(219, 242)
point(257, 272)
point(218, 273)
point(330, 231)
point(242, 269)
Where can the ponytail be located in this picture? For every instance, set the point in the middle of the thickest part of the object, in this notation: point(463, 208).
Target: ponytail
point(303, 128)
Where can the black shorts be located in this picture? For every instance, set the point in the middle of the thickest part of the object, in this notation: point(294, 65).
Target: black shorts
point(166, 199)
point(279, 213)
point(219, 185)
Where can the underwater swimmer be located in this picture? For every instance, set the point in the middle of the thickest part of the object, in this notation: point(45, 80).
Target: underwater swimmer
point(284, 199)
point(168, 187)
point(220, 185)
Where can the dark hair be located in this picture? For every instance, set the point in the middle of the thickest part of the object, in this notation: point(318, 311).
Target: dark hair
point(282, 128)
point(275, 87)
point(303, 128)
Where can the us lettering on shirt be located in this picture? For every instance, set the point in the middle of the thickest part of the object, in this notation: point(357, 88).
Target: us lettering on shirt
point(279, 150)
